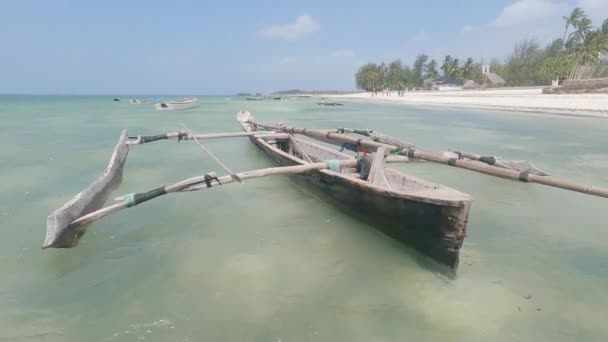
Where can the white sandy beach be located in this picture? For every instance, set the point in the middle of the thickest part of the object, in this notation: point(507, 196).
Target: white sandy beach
point(512, 99)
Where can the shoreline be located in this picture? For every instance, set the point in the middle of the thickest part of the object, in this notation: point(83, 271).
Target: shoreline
point(530, 100)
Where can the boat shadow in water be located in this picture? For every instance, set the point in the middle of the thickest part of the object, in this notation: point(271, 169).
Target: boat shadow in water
point(420, 244)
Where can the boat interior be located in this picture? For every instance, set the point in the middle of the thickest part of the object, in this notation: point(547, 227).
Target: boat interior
point(396, 181)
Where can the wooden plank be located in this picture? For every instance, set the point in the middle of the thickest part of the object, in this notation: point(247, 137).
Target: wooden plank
point(273, 136)
point(376, 173)
point(299, 148)
point(58, 231)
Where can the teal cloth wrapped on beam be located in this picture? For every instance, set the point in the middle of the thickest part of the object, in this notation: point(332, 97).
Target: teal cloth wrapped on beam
point(333, 164)
point(130, 199)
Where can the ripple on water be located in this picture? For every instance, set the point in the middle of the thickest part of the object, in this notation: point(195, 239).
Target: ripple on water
point(593, 160)
point(142, 330)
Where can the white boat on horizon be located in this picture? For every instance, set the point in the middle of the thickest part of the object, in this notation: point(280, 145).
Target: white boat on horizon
point(147, 100)
point(185, 103)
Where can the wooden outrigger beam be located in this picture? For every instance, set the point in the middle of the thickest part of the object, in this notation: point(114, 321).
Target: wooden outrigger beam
point(517, 165)
point(524, 176)
point(144, 139)
point(210, 180)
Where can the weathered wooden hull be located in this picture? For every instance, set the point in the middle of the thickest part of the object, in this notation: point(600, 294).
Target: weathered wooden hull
point(59, 234)
point(435, 230)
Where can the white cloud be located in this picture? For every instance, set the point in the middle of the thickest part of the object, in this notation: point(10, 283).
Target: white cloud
point(526, 11)
point(596, 9)
point(589, 5)
point(466, 28)
point(342, 53)
point(302, 26)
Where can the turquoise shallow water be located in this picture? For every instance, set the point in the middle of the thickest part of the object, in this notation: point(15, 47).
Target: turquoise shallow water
point(266, 261)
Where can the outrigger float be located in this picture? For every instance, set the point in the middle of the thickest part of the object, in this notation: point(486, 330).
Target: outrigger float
point(430, 217)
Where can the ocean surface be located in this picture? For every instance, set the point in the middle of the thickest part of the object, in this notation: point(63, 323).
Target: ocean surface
point(268, 261)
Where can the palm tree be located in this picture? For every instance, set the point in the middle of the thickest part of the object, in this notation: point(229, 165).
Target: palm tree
point(582, 29)
point(431, 69)
point(394, 67)
point(576, 15)
point(605, 27)
point(589, 50)
point(382, 73)
point(419, 64)
point(367, 76)
point(445, 67)
point(373, 76)
point(393, 75)
point(398, 85)
point(467, 68)
point(454, 68)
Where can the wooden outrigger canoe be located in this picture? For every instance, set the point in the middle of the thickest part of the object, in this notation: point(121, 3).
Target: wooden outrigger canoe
point(430, 217)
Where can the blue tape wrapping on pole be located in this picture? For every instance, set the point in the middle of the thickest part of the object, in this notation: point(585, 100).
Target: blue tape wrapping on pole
point(333, 164)
point(130, 199)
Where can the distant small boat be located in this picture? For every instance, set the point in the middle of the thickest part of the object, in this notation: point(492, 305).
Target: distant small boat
point(254, 98)
point(278, 98)
point(327, 103)
point(185, 103)
point(148, 100)
point(116, 99)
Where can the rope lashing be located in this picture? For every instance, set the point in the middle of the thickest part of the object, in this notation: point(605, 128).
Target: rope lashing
point(130, 199)
point(182, 136)
point(523, 176)
point(211, 177)
point(134, 199)
point(488, 160)
point(398, 151)
point(217, 160)
point(333, 164)
point(150, 138)
point(363, 132)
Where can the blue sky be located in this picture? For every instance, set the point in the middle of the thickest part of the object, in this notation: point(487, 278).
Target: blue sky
point(209, 47)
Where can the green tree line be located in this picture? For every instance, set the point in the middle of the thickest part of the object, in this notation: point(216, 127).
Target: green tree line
point(529, 63)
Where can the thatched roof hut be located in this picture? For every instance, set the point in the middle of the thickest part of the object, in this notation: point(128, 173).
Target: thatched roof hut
point(494, 80)
point(470, 84)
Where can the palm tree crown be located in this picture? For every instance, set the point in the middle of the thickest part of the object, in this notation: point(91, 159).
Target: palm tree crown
point(445, 67)
point(572, 20)
point(582, 29)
